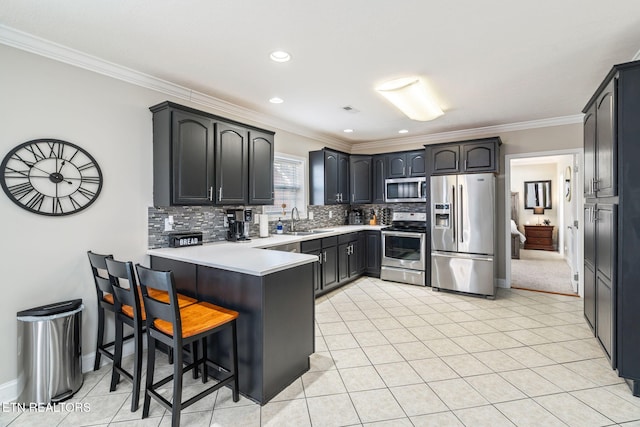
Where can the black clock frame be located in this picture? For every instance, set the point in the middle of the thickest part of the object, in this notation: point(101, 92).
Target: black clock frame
point(54, 177)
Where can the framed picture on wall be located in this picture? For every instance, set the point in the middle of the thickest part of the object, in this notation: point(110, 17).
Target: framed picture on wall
point(537, 193)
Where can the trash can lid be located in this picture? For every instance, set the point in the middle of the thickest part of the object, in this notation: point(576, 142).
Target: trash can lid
point(51, 309)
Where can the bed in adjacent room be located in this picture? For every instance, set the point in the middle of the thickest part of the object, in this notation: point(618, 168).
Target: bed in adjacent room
point(517, 238)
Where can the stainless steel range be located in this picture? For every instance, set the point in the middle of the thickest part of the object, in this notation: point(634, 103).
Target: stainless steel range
point(404, 253)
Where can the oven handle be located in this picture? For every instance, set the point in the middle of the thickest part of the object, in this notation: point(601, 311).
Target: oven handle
point(403, 234)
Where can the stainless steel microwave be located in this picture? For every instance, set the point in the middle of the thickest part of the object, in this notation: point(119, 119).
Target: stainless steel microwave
point(405, 190)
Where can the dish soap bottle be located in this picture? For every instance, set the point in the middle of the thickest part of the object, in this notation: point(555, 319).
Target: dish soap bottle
point(279, 227)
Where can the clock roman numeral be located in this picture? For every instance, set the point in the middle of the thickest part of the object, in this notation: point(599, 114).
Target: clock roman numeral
point(56, 149)
point(14, 173)
point(91, 179)
point(35, 202)
point(74, 203)
point(57, 206)
point(86, 193)
point(16, 156)
point(34, 149)
point(21, 190)
point(86, 166)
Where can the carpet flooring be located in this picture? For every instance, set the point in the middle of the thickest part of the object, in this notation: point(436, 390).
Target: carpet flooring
point(541, 271)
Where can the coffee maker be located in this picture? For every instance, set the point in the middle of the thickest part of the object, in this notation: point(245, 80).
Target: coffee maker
point(239, 223)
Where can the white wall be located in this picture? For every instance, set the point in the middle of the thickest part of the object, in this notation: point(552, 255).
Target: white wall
point(44, 258)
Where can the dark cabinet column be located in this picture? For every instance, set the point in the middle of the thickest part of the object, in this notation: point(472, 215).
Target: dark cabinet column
point(231, 163)
point(261, 151)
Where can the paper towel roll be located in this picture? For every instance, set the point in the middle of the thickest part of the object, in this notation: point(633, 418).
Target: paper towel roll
point(264, 225)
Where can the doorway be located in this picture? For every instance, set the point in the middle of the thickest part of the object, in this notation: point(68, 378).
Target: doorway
point(543, 211)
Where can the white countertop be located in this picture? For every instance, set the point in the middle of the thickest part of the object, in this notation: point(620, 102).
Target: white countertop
point(250, 257)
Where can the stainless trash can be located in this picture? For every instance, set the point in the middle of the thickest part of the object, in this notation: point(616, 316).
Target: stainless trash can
point(49, 352)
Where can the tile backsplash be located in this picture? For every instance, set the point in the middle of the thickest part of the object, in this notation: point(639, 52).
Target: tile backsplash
point(210, 219)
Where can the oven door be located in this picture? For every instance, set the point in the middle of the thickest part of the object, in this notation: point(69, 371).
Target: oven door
point(404, 249)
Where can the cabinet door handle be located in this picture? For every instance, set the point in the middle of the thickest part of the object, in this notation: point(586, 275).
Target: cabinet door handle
point(220, 195)
point(210, 193)
point(595, 185)
point(325, 256)
point(353, 197)
point(595, 215)
point(320, 258)
point(403, 170)
point(456, 164)
point(466, 163)
point(409, 170)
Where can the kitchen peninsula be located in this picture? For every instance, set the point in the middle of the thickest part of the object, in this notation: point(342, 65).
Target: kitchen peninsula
point(272, 291)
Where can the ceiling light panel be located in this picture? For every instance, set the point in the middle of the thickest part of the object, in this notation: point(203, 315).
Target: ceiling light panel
point(411, 96)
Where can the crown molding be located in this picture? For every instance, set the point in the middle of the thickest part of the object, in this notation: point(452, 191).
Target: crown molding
point(636, 56)
point(468, 133)
point(39, 46)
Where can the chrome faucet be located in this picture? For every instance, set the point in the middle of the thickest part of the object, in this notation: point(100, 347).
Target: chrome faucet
point(294, 218)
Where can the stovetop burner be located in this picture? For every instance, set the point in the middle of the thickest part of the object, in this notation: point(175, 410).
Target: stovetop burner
point(411, 222)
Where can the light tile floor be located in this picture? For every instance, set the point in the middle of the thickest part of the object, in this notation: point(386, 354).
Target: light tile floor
point(389, 354)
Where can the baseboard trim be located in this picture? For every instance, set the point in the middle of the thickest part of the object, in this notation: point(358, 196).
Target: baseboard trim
point(10, 390)
point(546, 292)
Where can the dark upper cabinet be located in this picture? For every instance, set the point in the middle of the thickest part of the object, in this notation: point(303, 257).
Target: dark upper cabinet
point(328, 177)
point(604, 183)
point(192, 152)
point(182, 157)
point(445, 159)
point(478, 155)
point(406, 164)
point(589, 126)
point(232, 160)
point(360, 179)
point(261, 151)
point(379, 167)
point(201, 159)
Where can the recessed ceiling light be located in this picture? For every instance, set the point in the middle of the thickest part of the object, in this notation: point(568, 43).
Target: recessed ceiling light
point(403, 131)
point(348, 130)
point(280, 56)
point(276, 100)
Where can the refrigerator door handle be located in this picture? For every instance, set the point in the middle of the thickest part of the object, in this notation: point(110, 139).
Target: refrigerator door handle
point(453, 212)
point(463, 256)
point(461, 214)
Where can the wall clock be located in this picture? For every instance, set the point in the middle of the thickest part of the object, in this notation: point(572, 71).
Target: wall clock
point(51, 177)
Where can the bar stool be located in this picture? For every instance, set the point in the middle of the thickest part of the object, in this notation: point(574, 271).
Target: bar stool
point(176, 327)
point(104, 293)
point(129, 311)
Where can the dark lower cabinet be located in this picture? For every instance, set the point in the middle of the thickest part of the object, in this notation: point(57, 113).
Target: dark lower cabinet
point(373, 257)
point(341, 259)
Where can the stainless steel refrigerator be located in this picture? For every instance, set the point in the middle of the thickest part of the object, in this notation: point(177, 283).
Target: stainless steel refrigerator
point(463, 241)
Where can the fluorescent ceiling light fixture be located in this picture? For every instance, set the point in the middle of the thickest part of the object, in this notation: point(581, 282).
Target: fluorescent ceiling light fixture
point(348, 131)
point(411, 96)
point(280, 56)
point(276, 100)
point(403, 131)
